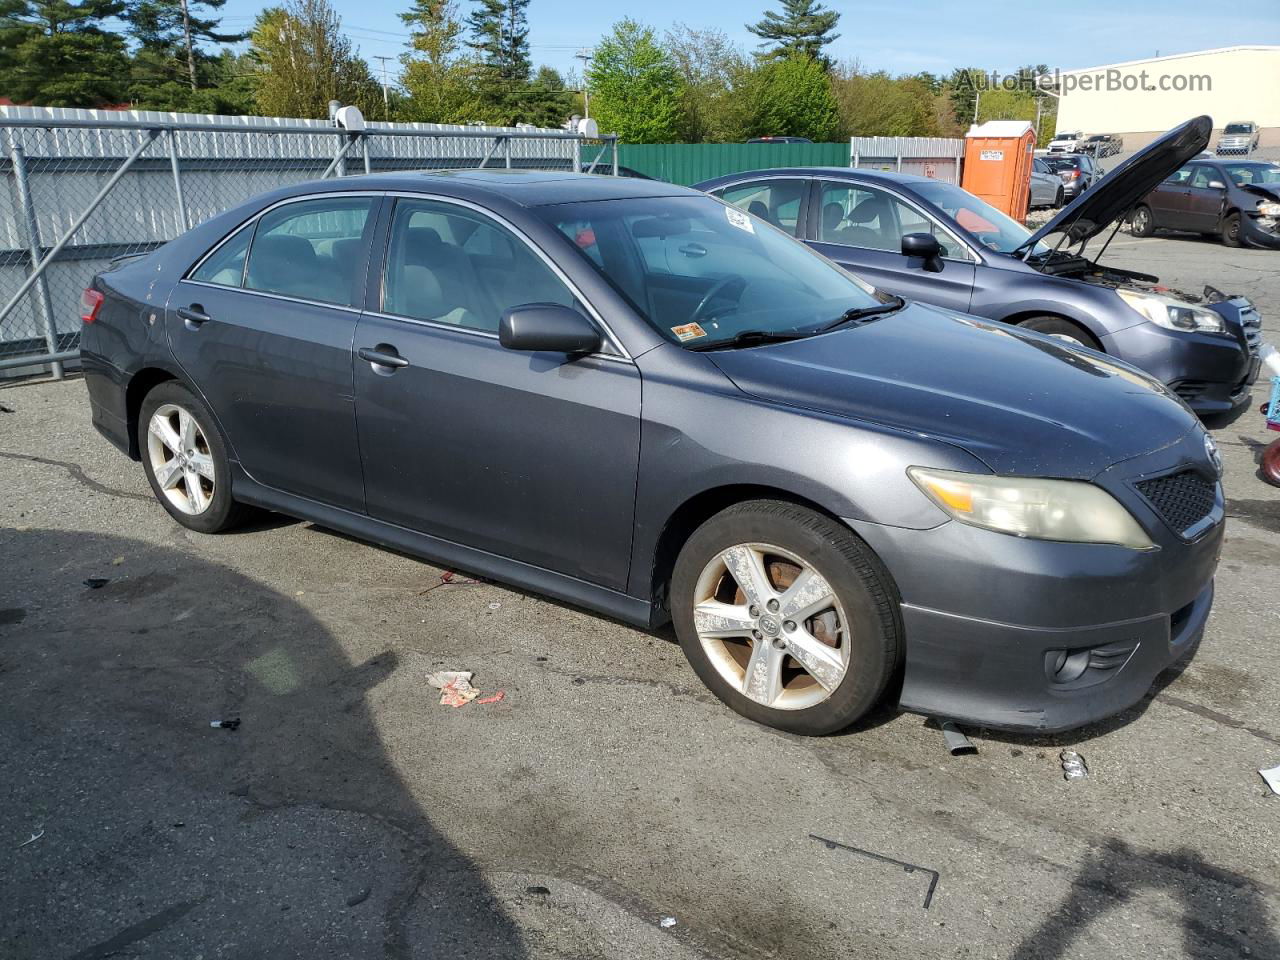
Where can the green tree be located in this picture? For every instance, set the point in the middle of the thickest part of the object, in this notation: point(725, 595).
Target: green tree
point(879, 105)
point(305, 61)
point(802, 29)
point(635, 88)
point(791, 97)
point(546, 101)
point(55, 53)
point(962, 88)
point(440, 77)
point(168, 34)
point(500, 36)
point(709, 64)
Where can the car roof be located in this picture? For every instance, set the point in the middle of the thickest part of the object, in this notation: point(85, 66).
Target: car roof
point(530, 188)
point(848, 173)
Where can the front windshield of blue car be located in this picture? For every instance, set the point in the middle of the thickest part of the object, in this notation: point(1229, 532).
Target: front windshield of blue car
point(984, 222)
point(702, 272)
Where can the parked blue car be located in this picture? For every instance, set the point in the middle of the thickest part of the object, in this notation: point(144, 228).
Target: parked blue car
point(932, 241)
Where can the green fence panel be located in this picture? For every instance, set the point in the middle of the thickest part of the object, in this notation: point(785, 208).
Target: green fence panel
point(690, 163)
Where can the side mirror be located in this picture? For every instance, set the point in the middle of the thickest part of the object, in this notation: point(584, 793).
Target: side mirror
point(926, 247)
point(549, 327)
point(1217, 185)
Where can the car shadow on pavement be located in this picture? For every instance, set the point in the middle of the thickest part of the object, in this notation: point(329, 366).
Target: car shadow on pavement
point(1223, 914)
point(153, 833)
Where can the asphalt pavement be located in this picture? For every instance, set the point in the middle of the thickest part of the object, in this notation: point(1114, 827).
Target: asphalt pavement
point(350, 815)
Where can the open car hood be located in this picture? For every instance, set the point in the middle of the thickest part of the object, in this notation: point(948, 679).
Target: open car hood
point(1115, 194)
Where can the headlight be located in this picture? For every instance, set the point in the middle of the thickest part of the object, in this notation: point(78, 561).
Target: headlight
point(1068, 510)
point(1269, 208)
point(1172, 314)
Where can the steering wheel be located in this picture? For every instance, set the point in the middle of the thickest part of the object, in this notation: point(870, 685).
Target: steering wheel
point(719, 289)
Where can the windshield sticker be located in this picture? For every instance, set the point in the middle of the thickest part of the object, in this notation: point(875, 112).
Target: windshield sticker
point(739, 219)
point(688, 331)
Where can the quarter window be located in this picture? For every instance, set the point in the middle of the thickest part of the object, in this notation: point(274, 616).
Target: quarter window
point(312, 250)
point(452, 265)
point(773, 201)
point(226, 264)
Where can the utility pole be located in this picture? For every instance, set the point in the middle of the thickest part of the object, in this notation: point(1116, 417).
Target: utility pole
point(386, 97)
point(585, 56)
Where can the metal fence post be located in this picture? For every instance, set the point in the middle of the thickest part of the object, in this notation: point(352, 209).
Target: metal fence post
point(19, 158)
point(101, 195)
point(577, 155)
point(364, 149)
point(183, 221)
point(615, 154)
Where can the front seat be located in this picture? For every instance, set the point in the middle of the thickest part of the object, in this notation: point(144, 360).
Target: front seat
point(283, 263)
point(879, 237)
point(832, 217)
point(757, 208)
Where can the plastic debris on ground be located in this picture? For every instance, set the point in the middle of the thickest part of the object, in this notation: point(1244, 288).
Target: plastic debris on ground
point(454, 686)
point(34, 837)
point(493, 698)
point(956, 741)
point(667, 922)
point(231, 724)
point(1073, 767)
point(1272, 777)
point(450, 579)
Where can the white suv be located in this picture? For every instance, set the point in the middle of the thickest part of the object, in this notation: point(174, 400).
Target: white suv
point(1066, 142)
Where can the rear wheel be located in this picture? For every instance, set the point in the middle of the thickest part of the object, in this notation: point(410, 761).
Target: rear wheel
point(1062, 329)
point(185, 459)
point(1142, 223)
point(1231, 230)
point(786, 616)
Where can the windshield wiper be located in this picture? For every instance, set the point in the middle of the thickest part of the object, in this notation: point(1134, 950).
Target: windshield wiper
point(750, 338)
point(864, 313)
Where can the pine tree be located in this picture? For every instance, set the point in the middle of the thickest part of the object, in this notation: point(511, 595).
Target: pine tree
point(802, 29)
point(169, 32)
point(500, 35)
point(439, 77)
point(54, 53)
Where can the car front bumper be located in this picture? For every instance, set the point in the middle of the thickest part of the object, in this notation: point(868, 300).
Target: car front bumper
point(1212, 373)
point(987, 616)
point(1260, 231)
point(1245, 146)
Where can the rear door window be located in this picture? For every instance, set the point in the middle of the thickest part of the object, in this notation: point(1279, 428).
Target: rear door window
point(773, 201)
point(312, 250)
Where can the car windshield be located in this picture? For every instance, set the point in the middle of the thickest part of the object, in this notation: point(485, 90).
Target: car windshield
point(1244, 174)
point(1064, 136)
point(1063, 163)
point(987, 224)
point(704, 273)
point(1237, 128)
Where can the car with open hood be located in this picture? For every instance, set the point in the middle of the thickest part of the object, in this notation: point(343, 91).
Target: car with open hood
point(1235, 200)
point(635, 398)
point(929, 240)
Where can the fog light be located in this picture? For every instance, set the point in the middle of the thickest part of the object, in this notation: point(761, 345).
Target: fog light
point(1063, 666)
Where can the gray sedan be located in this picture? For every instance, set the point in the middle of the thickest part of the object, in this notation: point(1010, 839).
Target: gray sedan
point(643, 401)
point(1047, 188)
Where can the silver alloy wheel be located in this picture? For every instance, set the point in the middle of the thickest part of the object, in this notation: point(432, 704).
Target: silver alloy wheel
point(772, 626)
point(1067, 338)
point(1140, 221)
point(180, 458)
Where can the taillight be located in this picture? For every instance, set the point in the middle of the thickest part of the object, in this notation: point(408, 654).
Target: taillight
point(90, 304)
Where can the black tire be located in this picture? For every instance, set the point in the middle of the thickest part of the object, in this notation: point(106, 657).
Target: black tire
point(1142, 223)
point(858, 579)
point(1231, 230)
point(1060, 199)
point(1061, 327)
point(223, 512)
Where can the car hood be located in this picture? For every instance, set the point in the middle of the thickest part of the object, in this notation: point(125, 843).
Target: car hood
point(1023, 403)
point(1268, 191)
point(1116, 193)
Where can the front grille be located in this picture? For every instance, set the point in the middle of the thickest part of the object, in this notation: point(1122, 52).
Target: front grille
point(1181, 499)
point(1251, 322)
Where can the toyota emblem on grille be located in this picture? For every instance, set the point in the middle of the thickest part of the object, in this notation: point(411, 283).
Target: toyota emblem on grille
point(1211, 450)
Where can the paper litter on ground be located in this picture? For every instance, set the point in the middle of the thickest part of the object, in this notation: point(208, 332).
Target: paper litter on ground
point(454, 686)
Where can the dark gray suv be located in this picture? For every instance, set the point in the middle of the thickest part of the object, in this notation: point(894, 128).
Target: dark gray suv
point(930, 240)
point(641, 400)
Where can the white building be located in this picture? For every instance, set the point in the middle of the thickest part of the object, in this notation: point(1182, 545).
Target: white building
point(1141, 98)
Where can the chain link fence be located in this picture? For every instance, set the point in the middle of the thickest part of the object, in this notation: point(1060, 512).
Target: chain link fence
point(83, 189)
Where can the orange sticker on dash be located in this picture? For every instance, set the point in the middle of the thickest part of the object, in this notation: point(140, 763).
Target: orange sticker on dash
point(688, 331)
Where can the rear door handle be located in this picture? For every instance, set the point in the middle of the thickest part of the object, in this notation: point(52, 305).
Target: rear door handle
point(193, 316)
point(383, 355)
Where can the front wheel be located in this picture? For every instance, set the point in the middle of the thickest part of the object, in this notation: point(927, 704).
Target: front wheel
point(1231, 230)
point(786, 616)
point(185, 459)
point(1062, 329)
point(1142, 223)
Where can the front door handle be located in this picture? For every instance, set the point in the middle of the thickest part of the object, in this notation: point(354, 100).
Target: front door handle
point(383, 355)
point(193, 316)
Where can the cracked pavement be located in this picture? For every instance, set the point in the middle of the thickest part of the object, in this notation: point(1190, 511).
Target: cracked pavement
point(352, 816)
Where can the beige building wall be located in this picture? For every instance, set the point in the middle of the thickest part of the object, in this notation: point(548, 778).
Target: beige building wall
point(1233, 83)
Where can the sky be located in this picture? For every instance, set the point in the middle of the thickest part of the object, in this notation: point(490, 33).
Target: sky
point(902, 37)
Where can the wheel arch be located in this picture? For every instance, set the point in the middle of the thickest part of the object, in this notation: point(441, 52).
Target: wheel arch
point(1016, 318)
point(142, 382)
point(696, 510)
